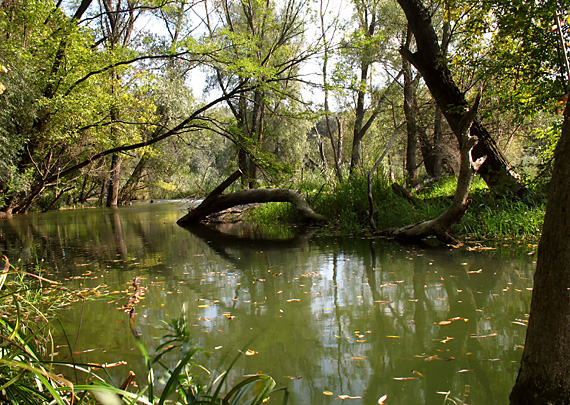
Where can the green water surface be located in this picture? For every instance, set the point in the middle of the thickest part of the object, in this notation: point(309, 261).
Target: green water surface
point(328, 317)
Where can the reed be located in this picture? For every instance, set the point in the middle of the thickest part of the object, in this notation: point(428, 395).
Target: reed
point(28, 307)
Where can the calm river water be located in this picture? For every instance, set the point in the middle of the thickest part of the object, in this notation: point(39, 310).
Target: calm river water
point(331, 316)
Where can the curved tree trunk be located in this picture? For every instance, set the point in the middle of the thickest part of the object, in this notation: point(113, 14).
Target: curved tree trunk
point(430, 62)
point(440, 226)
point(251, 196)
point(216, 202)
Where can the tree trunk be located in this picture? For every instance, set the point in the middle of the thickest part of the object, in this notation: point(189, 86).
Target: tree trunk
point(128, 192)
point(544, 375)
point(358, 132)
point(221, 202)
point(429, 60)
point(427, 148)
point(440, 226)
point(438, 142)
point(216, 202)
point(115, 178)
point(410, 111)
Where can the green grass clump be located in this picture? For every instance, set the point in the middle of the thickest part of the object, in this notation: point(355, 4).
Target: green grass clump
point(28, 305)
point(271, 213)
point(346, 207)
point(498, 217)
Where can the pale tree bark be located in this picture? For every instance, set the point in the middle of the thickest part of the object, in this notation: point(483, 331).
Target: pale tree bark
point(114, 179)
point(544, 374)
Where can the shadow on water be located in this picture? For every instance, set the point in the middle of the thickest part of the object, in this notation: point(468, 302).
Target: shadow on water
point(331, 315)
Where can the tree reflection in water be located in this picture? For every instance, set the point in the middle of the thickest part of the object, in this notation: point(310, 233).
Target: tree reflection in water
point(350, 316)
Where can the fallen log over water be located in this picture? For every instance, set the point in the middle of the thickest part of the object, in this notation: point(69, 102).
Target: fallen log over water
point(218, 203)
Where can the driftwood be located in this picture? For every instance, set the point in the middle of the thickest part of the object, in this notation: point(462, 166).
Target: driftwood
point(216, 201)
point(440, 226)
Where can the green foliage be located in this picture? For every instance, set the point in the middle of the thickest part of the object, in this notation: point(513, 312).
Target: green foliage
point(181, 383)
point(26, 375)
point(27, 369)
point(346, 206)
point(490, 216)
point(272, 213)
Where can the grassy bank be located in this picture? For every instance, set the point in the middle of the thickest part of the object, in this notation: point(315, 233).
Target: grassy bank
point(490, 216)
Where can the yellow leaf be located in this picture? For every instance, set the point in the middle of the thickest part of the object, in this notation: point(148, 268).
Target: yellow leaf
point(382, 399)
point(328, 393)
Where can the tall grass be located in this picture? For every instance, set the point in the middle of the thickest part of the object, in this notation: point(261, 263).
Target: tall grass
point(28, 305)
point(346, 207)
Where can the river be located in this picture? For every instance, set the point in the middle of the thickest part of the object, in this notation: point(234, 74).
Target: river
point(329, 317)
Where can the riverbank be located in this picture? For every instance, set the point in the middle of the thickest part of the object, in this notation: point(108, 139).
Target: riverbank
point(490, 217)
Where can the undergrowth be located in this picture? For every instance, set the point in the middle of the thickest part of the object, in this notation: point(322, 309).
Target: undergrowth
point(346, 207)
point(28, 303)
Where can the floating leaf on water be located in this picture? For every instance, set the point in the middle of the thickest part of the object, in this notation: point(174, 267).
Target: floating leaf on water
point(457, 318)
point(328, 393)
point(203, 306)
point(404, 378)
point(292, 377)
point(343, 397)
point(382, 399)
point(436, 357)
point(443, 392)
point(465, 370)
point(109, 365)
point(358, 358)
point(447, 339)
point(417, 372)
point(483, 336)
point(218, 347)
point(250, 352)
point(393, 337)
